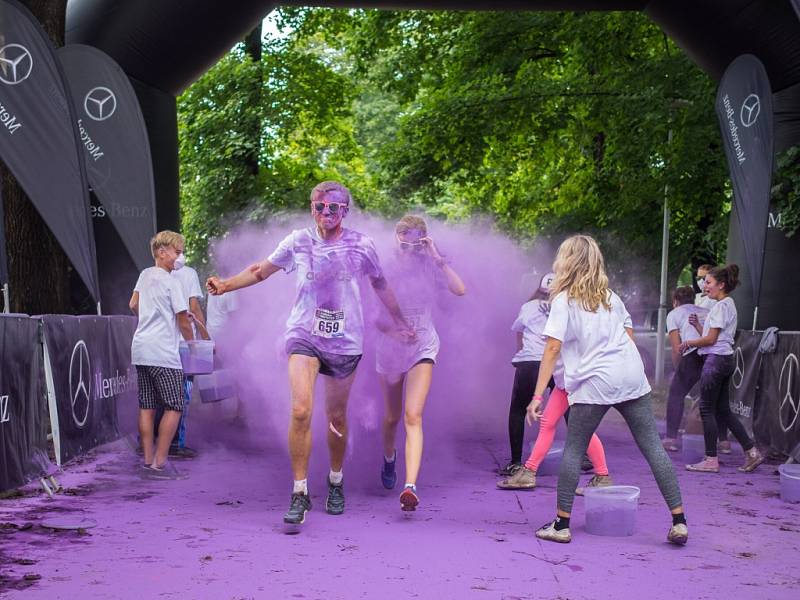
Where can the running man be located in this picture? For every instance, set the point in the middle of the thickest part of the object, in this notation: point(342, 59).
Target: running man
point(325, 329)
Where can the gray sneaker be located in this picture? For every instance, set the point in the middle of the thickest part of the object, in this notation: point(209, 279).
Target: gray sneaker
point(752, 458)
point(523, 479)
point(678, 534)
point(596, 481)
point(549, 532)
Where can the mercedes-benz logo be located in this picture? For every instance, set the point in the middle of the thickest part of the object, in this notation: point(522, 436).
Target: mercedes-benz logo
point(789, 407)
point(751, 107)
point(100, 103)
point(738, 373)
point(16, 64)
point(80, 383)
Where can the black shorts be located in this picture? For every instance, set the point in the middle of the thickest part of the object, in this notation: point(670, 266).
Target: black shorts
point(160, 386)
point(338, 366)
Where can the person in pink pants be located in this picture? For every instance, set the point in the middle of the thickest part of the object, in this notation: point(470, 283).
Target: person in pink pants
point(557, 405)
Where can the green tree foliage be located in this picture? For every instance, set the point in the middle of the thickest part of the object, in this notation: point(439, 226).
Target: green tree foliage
point(547, 122)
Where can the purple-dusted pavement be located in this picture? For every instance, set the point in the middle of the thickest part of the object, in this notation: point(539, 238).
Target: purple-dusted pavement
point(218, 534)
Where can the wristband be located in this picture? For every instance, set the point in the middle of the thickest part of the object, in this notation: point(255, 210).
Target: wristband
point(537, 397)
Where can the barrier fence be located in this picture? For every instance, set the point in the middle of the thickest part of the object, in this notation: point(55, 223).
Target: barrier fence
point(68, 375)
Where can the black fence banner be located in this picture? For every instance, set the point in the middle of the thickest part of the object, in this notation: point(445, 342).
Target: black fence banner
point(23, 404)
point(744, 383)
point(777, 414)
point(39, 137)
point(744, 109)
point(117, 149)
point(91, 369)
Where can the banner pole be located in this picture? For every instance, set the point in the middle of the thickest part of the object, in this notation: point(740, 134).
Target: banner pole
point(755, 317)
point(6, 302)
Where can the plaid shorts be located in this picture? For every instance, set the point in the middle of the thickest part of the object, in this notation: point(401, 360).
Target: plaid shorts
point(160, 386)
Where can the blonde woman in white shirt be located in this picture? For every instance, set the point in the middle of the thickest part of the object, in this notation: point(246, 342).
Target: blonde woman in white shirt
point(591, 331)
point(716, 348)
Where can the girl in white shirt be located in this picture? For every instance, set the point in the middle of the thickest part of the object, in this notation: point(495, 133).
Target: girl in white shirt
point(716, 349)
point(590, 329)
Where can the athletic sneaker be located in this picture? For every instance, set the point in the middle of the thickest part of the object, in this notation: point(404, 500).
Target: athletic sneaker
point(409, 499)
point(165, 472)
point(596, 481)
point(185, 452)
point(549, 532)
point(523, 479)
point(724, 447)
point(334, 505)
point(678, 534)
point(509, 469)
point(298, 508)
point(752, 458)
point(670, 444)
point(707, 465)
point(388, 474)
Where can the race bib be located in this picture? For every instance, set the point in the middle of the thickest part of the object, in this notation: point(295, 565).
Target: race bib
point(328, 323)
point(415, 317)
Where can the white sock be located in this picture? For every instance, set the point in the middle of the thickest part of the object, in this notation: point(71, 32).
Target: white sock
point(412, 486)
point(300, 487)
point(336, 477)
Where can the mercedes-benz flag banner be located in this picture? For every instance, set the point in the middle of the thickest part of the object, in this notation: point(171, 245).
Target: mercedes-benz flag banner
point(117, 149)
point(23, 405)
point(744, 108)
point(3, 255)
point(39, 138)
point(796, 4)
point(744, 383)
point(777, 416)
point(90, 358)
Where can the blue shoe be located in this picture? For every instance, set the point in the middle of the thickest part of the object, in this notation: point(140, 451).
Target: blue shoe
point(388, 475)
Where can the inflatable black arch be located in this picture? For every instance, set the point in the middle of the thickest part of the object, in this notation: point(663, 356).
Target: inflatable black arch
point(155, 42)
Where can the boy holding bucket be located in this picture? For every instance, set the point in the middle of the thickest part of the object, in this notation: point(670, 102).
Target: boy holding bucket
point(160, 303)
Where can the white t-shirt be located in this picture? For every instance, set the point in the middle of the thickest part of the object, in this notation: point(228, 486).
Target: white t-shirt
point(530, 323)
point(327, 309)
point(191, 287)
point(724, 317)
point(161, 297)
point(678, 320)
point(704, 301)
point(219, 309)
point(601, 362)
point(416, 283)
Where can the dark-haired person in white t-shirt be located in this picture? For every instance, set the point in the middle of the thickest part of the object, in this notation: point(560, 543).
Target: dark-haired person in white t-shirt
point(716, 348)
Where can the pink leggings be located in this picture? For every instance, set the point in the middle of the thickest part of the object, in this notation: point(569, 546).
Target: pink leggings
point(557, 405)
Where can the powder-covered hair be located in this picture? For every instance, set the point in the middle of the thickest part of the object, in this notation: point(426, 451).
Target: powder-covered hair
point(331, 187)
point(164, 239)
point(410, 222)
point(727, 275)
point(581, 273)
point(683, 295)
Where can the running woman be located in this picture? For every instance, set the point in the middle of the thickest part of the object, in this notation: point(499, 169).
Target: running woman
point(683, 322)
point(424, 273)
point(325, 329)
point(716, 349)
point(590, 329)
point(528, 326)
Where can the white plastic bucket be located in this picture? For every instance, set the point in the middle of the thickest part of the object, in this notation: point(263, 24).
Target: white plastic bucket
point(197, 356)
point(790, 482)
point(611, 510)
point(215, 386)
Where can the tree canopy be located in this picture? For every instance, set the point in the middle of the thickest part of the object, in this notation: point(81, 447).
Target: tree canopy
point(546, 122)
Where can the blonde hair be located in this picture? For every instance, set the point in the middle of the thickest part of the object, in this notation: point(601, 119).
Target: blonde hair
point(164, 239)
point(331, 187)
point(581, 273)
point(410, 222)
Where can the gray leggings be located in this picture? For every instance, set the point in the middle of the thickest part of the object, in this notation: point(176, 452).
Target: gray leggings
point(638, 414)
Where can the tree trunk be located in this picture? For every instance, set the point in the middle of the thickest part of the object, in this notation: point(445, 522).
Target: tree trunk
point(39, 272)
point(252, 47)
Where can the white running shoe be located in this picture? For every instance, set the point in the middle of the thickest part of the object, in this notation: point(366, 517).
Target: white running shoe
point(678, 534)
point(549, 532)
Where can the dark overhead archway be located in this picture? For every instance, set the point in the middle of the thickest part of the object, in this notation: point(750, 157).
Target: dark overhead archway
point(165, 45)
